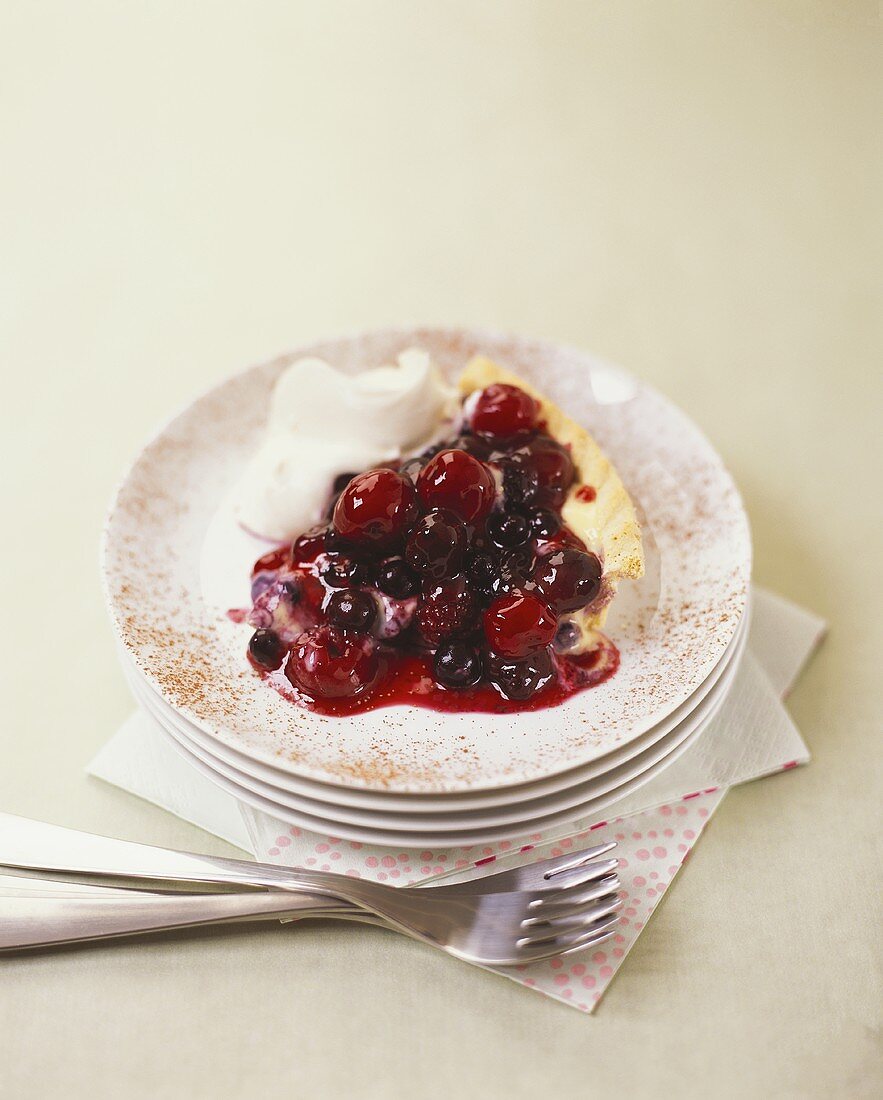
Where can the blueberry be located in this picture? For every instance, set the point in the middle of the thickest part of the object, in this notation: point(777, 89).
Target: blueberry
point(265, 648)
point(520, 678)
point(397, 579)
point(352, 610)
point(457, 665)
point(543, 523)
point(342, 572)
point(508, 529)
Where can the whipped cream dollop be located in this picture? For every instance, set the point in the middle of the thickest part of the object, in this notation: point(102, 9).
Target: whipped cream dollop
point(324, 423)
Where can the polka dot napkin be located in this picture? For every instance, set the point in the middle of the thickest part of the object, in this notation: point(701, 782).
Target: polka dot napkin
point(655, 828)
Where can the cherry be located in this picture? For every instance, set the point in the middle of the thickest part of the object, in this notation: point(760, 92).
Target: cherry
point(503, 410)
point(326, 663)
point(445, 609)
point(459, 482)
point(351, 609)
point(436, 545)
point(554, 469)
point(518, 623)
point(397, 579)
point(376, 508)
point(568, 579)
point(457, 665)
point(508, 529)
point(519, 679)
point(266, 649)
point(308, 546)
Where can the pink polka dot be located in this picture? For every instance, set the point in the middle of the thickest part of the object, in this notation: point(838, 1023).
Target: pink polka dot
point(566, 992)
point(653, 834)
point(578, 970)
point(561, 979)
point(382, 876)
point(372, 861)
point(272, 851)
point(637, 836)
point(703, 812)
point(461, 863)
point(406, 870)
point(618, 952)
point(310, 862)
point(403, 858)
point(673, 870)
point(596, 996)
point(640, 880)
point(355, 845)
point(388, 861)
point(668, 832)
point(505, 844)
point(589, 982)
point(654, 874)
point(631, 911)
point(585, 1008)
point(283, 841)
point(438, 870)
point(682, 847)
point(395, 873)
point(651, 893)
point(660, 887)
point(599, 957)
point(567, 843)
point(642, 853)
point(488, 851)
point(620, 836)
point(606, 971)
point(619, 938)
point(322, 848)
point(326, 866)
point(689, 834)
point(660, 852)
point(529, 981)
point(556, 852)
point(441, 858)
point(334, 855)
point(665, 811)
point(681, 810)
point(353, 873)
point(556, 964)
point(425, 870)
point(294, 830)
point(623, 863)
point(425, 856)
point(639, 924)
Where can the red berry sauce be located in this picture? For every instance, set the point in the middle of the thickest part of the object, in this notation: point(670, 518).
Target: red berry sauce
point(448, 583)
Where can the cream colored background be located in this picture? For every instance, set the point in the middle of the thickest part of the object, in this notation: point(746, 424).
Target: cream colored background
point(691, 189)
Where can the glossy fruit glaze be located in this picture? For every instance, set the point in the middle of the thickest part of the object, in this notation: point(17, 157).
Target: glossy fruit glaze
point(449, 582)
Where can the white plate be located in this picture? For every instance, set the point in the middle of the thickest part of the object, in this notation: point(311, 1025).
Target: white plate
point(273, 782)
point(398, 839)
point(671, 628)
point(513, 817)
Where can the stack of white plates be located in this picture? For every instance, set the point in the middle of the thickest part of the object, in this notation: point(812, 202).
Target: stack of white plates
point(175, 562)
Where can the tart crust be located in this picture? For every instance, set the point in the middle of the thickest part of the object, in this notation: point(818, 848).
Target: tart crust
point(607, 524)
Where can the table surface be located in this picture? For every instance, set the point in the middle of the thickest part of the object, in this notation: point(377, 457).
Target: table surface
point(690, 190)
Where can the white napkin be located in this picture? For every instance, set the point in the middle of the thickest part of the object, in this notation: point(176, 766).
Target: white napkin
point(656, 826)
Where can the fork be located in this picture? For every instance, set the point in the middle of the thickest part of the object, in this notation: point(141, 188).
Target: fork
point(474, 920)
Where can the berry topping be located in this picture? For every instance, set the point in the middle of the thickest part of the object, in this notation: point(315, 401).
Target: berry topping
point(397, 579)
point(503, 411)
point(457, 665)
point(474, 445)
point(352, 610)
point(457, 481)
point(445, 609)
point(436, 545)
point(376, 508)
point(291, 590)
point(522, 678)
point(266, 650)
point(508, 529)
point(517, 624)
point(327, 663)
point(568, 579)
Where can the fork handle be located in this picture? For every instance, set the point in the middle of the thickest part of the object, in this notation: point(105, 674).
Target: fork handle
point(38, 846)
point(28, 922)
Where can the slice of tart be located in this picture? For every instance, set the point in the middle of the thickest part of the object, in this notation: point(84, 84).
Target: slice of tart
point(597, 507)
point(473, 575)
